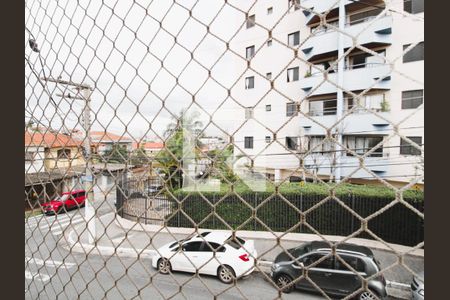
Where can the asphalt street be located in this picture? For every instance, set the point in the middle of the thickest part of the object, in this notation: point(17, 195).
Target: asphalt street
point(53, 272)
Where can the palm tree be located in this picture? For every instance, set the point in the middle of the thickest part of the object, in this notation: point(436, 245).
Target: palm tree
point(170, 158)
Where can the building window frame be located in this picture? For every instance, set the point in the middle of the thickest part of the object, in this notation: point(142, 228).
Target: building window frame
point(292, 74)
point(291, 109)
point(417, 53)
point(248, 142)
point(249, 82)
point(251, 21)
point(268, 139)
point(407, 149)
point(63, 153)
point(414, 6)
point(269, 10)
point(250, 52)
point(294, 39)
point(412, 99)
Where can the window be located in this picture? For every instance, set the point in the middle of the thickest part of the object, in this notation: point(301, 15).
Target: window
point(248, 113)
point(213, 247)
point(248, 142)
point(192, 247)
point(63, 153)
point(249, 52)
point(407, 149)
point(269, 43)
point(291, 109)
point(269, 75)
point(291, 143)
point(294, 39)
point(317, 145)
point(294, 3)
point(415, 54)
point(235, 242)
point(29, 156)
point(324, 264)
point(251, 21)
point(412, 99)
point(292, 74)
point(268, 107)
point(362, 144)
point(268, 138)
point(413, 6)
point(249, 82)
point(270, 10)
point(356, 263)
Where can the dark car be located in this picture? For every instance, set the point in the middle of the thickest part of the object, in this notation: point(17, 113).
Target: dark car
point(66, 201)
point(330, 274)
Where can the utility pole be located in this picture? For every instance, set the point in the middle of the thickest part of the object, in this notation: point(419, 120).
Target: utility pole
point(340, 92)
point(89, 211)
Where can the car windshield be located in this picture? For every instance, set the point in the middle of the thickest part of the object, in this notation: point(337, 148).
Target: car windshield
point(62, 197)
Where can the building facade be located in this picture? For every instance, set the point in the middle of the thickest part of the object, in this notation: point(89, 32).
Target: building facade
point(305, 117)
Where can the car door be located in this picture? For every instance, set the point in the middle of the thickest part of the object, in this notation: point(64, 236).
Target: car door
point(207, 263)
point(80, 198)
point(188, 258)
point(70, 202)
point(320, 273)
point(347, 281)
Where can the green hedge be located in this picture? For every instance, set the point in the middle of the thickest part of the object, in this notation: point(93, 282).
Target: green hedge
point(398, 224)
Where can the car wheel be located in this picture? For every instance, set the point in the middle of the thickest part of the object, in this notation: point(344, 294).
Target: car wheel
point(60, 209)
point(164, 266)
point(368, 295)
point(283, 282)
point(226, 274)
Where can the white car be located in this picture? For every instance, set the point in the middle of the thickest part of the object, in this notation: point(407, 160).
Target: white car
point(213, 253)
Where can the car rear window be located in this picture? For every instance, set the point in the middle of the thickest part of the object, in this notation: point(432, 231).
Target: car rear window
point(235, 242)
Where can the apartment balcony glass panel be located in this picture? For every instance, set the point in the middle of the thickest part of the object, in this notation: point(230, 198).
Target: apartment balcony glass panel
point(324, 41)
point(355, 79)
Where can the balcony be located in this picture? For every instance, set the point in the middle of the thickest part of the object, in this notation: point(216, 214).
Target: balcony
point(354, 80)
point(322, 164)
point(367, 123)
point(332, 7)
point(324, 43)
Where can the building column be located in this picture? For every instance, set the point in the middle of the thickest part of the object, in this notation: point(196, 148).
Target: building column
point(277, 175)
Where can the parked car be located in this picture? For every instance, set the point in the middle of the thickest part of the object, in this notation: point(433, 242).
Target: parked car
point(67, 200)
point(418, 287)
point(234, 257)
point(330, 274)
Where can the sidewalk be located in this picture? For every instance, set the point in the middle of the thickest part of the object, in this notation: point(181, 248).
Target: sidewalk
point(130, 239)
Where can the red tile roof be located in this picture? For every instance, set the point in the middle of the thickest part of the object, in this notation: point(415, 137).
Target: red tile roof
point(152, 145)
point(104, 136)
point(49, 140)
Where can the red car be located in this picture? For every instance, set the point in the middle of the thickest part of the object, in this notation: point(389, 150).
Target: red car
point(67, 200)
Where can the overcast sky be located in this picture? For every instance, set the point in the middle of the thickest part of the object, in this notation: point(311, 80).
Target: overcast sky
point(117, 47)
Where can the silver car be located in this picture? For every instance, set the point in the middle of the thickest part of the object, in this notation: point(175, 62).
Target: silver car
point(418, 287)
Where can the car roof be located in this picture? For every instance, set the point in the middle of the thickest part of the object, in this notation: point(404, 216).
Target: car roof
point(342, 248)
point(215, 236)
point(73, 192)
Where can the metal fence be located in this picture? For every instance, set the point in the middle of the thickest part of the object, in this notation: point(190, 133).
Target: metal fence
point(398, 225)
point(148, 122)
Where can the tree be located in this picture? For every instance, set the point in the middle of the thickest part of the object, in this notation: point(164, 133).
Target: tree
point(117, 154)
point(139, 157)
point(170, 158)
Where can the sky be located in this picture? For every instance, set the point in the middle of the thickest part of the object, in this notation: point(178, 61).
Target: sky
point(119, 47)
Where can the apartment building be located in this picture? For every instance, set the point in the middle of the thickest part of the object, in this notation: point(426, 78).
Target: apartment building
point(293, 93)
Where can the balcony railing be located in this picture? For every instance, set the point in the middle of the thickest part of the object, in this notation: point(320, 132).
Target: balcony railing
point(324, 29)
